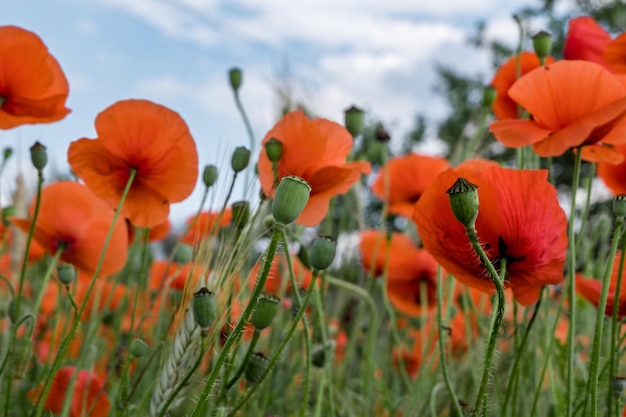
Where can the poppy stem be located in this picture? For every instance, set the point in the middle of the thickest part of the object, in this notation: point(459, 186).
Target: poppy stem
point(496, 318)
point(277, 353)
point(592, 382)
point(571, 272)
point(234, 335)
point(46, 278)
point(244, 362)
point(444, 367)
point(249, 131)
point(39, 405)
point(613, 358)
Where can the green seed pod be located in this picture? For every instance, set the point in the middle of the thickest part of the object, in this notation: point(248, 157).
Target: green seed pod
point(66, 273)
point(354, 120)
point(319, 353)
point(183, 254)
point(292, 195)
point(204, 307)
point(241, 159)
point(235, 76)
point(38, 156)
point(209, 175)
point(255, 367)
point(241, 214)
point(138, 348)
point(489, 96)
point(322, 253)
point(542, 43)
point(22, 355)
point(274, 150)
point(464, 202)
point(265, 311)
point(619, 205)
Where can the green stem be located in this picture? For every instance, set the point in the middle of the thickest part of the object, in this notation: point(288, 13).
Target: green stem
point(592, 386)
point(518, 355)
point(571, 285)
point(279, 350)
point(444, 368)
point(258, 288)
point(246, 122)
point(613, 358)
point(497, 314)
point(328, 354)
point(39, 406)
point(244, 363)
point(46, 278)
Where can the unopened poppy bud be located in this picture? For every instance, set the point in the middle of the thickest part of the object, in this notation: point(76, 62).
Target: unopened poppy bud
point(354, 120)
point(464, 202)
point(292, 196)
point(240, 214)
point(274, 150)
point(241, 159)
point(235, 76)
point(183, 254)
point(204, 308)
point(619, 205)
point(255, 367)
point(209, 175)
point(138, 348)
point(38, 156)
point(542, 43)
point(66, 273)
point(381, 134)
point(22, 355)
point(320, 352)
point(489, 96)
point(265, 311)
point(322, 253)
point(6, 154)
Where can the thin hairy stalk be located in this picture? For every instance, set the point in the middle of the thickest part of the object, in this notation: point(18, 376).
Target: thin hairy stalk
point(244, 363)
point(571, 286)
point(46, 278)
point(249, 131)
point(39, 405)
point(613, 356)
point(592, 386)
point(234, 335)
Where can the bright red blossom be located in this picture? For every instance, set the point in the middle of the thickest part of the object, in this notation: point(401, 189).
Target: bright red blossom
point(147, 137)
point(315, 150)
point(590, 290)
point(205, 226)
point(586, 41)
point(573, 104)
point(33, 88)
point(519, 220)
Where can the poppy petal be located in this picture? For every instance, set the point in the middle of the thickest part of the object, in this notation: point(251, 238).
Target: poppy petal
point(598, 153)
point(514, 133)
point(586, 40)
point(615, 54)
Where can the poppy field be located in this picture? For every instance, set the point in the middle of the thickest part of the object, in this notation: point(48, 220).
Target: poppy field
point(405, 284)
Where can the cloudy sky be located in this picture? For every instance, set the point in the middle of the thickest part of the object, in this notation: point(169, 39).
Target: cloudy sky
point(379, 55)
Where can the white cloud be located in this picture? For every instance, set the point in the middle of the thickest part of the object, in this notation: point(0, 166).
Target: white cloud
point(86, 26)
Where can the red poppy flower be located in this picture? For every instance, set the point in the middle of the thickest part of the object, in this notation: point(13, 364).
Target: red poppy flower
point(315, 150)
point(614, 175)
point(615, 54)
point(519, 220)
point(409, 270)
point(88, 397)
point(33, 88)
point(590, 290)
point(586, 41)
point(408, 176)
point(504, 107)
point(147, 137)
point(106, 295)
point(204, 226)
point(573, 104)
point(164, 274)
point(71, 215)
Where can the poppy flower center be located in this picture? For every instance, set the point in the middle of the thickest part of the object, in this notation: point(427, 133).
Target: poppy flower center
point(2, 100)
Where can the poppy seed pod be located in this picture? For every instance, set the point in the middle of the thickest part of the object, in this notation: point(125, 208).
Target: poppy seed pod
point(66, 273)
point(183, 254)
point(255, 367)
point(619, 205)
point(464, 202)
point(241, 214)
point(209, 175)
point(38, 156)
point(542, 43)
point(274, 150)
point(319, 352)
point(322, 253)
point(292, 196)
point(204, 307)
point(138, 348)
point(489, 96)
point(241, 159)
point(265, 311)
point(354, 120)
point(235, 76)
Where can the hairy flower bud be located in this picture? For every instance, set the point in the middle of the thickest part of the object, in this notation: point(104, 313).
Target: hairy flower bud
point(138, 348)
point(292, 196)
point(542, 43)
point(354, 120)
point(464, 202)
point(265, 311)
point(38, 156)
point(235, 76)
point(322, 253)
point(274, 150)
point(204, 307)
point(255, 367)
point(209, 175)
point(66, 273)
point(241, 159)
